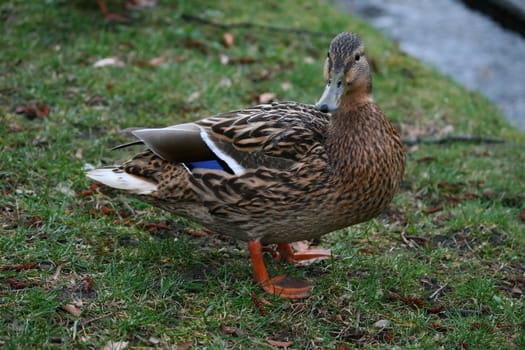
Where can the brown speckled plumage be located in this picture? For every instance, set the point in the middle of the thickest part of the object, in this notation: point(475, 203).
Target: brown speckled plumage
point(291, 171)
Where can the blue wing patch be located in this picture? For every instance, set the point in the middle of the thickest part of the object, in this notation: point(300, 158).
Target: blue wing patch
point(207, 164)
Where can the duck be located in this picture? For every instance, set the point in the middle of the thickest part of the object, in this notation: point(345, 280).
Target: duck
point(276, 173)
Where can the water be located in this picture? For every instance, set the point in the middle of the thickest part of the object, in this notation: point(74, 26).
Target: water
point(461, 43)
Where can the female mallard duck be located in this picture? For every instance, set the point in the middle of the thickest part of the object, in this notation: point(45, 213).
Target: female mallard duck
point(276, 173)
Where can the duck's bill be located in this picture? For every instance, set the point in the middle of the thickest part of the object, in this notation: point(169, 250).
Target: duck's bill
point(330, 99)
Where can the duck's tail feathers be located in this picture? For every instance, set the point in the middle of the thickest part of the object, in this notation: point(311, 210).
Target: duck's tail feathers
point(116, 178)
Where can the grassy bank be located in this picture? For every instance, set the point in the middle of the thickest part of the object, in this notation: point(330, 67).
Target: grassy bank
point(83, 266)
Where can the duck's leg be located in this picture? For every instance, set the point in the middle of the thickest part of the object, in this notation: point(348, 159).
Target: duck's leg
point(286, 252)
point(110, 16)
point(282, 285)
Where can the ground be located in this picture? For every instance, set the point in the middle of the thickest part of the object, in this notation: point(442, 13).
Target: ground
point(82, 266)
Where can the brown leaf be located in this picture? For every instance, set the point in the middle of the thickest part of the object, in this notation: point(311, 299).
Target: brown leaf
point(185, 345)
point(267, 97)
point(195, 44)
point(435, 209)
point(227, 330)
point(279, 343)
point(88, 283)
point(241, 60)
point(522, 215)
point(227, 39)
point(20, 284)
point(33, 110)
point(425, 159)
point(438, 327)
point(414, 302)
point(18, 267)
point(72, 309)
point(156, 61)
point(389, 336)
point(139, 4)
point(516, 292)
point(435, 309)
point(258, 304)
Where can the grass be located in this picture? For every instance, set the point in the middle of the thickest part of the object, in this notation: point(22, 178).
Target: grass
point(443, 267)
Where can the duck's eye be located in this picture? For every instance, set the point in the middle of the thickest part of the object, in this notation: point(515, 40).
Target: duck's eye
point(339, 83)
point(357, 57)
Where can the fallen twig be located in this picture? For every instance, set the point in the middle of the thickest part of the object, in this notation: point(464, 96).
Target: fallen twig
point(84, 323)
point(436, 294)
point(451, 139)
point(193, 18)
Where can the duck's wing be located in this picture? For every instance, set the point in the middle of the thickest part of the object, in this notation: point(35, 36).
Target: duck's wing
point(271, 135)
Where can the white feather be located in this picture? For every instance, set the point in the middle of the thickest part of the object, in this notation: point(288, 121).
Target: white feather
point(232, 163)
point(115, 178)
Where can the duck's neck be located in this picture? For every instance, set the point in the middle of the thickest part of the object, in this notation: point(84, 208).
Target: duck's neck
point(354, 129)
point(354, 100)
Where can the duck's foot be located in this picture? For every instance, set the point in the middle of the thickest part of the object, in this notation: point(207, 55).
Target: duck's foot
point(111, 16)
point(283, 286)
point(303, 257)
point(288, 287)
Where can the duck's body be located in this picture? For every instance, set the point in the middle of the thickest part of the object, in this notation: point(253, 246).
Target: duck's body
point(274, 173)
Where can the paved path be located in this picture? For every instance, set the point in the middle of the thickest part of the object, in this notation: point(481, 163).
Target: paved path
point(460, 42)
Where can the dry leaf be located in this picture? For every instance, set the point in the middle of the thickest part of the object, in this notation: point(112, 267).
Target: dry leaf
point(157, 61)
point(242, 60)
point(267, 97)
point(139, 4)
point(309, 60)
point(73, 310)
point(381, 324)
point(195, 44)
point(154, 341)
point(25, 192)
point(225, 82)
point(194, 96)
point(258, 304)
point(33, 110)
point(109, 61)
point(228, 39)
point(19, 267)
point(15, 284)
point(279, 343)
point(446, 130)
point(227, 330)
point(185, 345)
point(286, 85)
point(115, 345)
point(224, 59)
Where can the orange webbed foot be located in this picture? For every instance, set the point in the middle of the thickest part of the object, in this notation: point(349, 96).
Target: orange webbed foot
point(303, 257)
point(288, 287)
point(283, 286)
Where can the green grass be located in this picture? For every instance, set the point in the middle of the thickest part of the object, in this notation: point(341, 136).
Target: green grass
point(155, 286)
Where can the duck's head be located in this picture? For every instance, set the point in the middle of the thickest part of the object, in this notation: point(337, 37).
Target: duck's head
point(347, 73)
